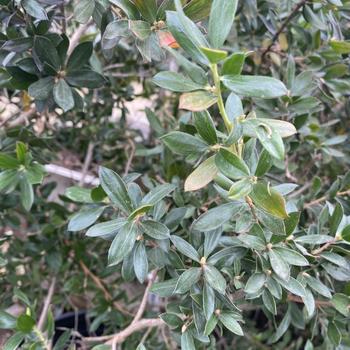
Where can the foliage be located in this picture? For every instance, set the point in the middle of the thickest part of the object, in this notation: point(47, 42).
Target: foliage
point(236, 212)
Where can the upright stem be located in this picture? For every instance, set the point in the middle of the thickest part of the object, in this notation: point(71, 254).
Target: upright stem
point(216, 77)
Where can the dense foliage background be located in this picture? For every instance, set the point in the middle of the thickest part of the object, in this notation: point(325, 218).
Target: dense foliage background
point(85, 90)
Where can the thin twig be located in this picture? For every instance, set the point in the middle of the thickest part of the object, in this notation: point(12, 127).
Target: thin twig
point(19, 118)
point(130, 157)
point(284, 25)
point(318, 303)
point(87, 161)
point(99, 284)
point(322, 199)
point(43, 315)
point(324, 247)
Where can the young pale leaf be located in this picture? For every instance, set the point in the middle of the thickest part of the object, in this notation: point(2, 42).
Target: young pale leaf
point(188, 279)
point(240, 189)
point(79, 194)
point(269, 200)
point(115, 189)
point(84, 218)
point(183, 143)
point(63, 95)
point(216, 217)
point(221, 18)
point(341, 47)
point(279, 266)
point(255, 282)
point(197, 101)
point(214, 278)
point(185, 248)
point(202, 175)
point(231, 165)
point(106, 229)
point(175, 82)
point(157, 193)
point(214, 56)
point(230, 322)
point(205, 127)
point(83, 10)
point(122, 244)
point(233, 65)
point(155, 229)
point(140, 262)
point(255, 86)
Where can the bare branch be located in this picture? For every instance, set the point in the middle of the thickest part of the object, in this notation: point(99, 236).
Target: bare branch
point(43, 315)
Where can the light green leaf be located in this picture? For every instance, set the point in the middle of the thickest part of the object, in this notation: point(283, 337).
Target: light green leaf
point(240, 189)
point(279, 266)
point(231, 165)
point(83, 10)
point(84, 218)
point(255, 282)
point(155, 229)
point(291, 257)
point(214, 56)
point(14, 341)
point(197, 101)
point(175, 82)
point(229, 321)
point(27, 193)
point(140, 262)
point(233, 65)
point(106, 229)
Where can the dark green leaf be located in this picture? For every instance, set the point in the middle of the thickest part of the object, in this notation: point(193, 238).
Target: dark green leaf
point(231, 165)
point(188, 279)
point(155, 229)
point(233, 65)
point(214, 278)
point(140, 262)
point(27, 193)
point(157, 194)
point(205, 127)
point(63, 95)
point(34, 9)
point(279, 265)
point(185, 248)
point(80, 56)
point(46, 52)
point(229, 321)
point(85, 78)
point(255, 282)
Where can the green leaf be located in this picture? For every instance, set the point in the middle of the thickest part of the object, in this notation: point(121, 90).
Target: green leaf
point(216, 216)
point(8, 162)
point(140, 262)
point(214, 278)
point(122, 244)
point(83, 10)
point(171, 319)
point(208, 301)
point(185, 248)
point(141, 347)
point(205, 127)
point(240, 189)
point(197, 101)
point(141, 29)
point(233, 65)
point(269, 200)
point(229, 321)
point(14, 341)
point(34, 9)
point(282, 328)
point(175, 82)
point(339, 46)
point(336, 218)
point(264, 164)
point(187, 342)
point(7, 321)
point(214, 56)
point(291, 222)
point(164, 289)
point(269, 302)
point(140, 211)
point(128, 7)
point(7, 178)
point(211, 240)
point(254, 86)
point(25, 323)
point(197, 10)
point(27, 193)
point(317, 286)
point(341, 303)
point(202, 175)
point(63, 95)
point(314, 239)
point(231, 165)
point(155, 229)
point(80, 56)
point(255, 282)
point(292, 285)
point(221, 18)
point(41, 89)
point(183, 143)
point(271, 140)
point(116, 29)
point(46, 52)
point(84, 218)
point(210, 325)
point(178, 31)
point(334, 334)
point(79, 194)
point(279, 266)
point(116, 190)
point(106, 229)
point(85, 78)
point(157, 194)
point(148, 9)
point(291, 257)
point(21, 152)
point(188, 279)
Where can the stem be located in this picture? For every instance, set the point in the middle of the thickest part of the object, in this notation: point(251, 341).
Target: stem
point(216, 77)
